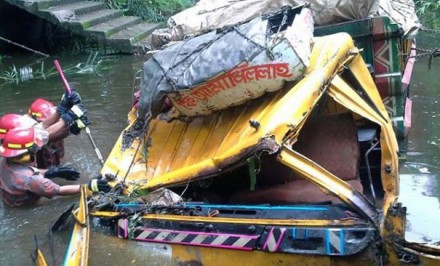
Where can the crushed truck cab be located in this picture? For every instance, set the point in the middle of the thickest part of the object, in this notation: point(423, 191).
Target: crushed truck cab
point(307, 173)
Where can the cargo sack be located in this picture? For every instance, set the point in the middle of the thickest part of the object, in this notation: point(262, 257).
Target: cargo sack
point(231, 66)
point(208, 15)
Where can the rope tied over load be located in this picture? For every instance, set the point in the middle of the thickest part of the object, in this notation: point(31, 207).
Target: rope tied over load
point(429, 30)
point(426, 52)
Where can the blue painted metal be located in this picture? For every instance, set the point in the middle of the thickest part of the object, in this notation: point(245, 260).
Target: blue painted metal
point(333, 241)
point(327, 242)
point(259, 207)
point(245, 207)
point(342, 240)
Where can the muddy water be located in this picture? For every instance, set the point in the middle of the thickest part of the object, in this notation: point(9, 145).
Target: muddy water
point(420, 176)
point(107, 95)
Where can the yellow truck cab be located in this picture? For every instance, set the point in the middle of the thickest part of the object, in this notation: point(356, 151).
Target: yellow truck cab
point(304, 175)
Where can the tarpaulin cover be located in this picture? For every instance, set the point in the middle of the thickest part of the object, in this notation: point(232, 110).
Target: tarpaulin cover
point(402, 12)
point(208, 15)
point(248, 47)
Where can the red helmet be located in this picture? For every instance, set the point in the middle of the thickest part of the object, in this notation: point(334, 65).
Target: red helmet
point(10, 121)
point(41, 109)
point(19, 140)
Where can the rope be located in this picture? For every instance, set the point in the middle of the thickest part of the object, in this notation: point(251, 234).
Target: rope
point(425, 52)
point(24, 47)
point(429, 30)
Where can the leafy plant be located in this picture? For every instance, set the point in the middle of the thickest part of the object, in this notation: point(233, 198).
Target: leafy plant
point(11, 76)
point(150, 10)
point(91, 65)
point(422, 6)
point(428, 11)
point(14, 75)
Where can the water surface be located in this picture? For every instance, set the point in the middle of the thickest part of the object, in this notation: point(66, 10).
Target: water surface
point(420, 176)
point(107, 95)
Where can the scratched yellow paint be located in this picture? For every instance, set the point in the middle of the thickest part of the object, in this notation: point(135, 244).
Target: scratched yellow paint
point(78, 248)
point(186, 150)
point(181, 151)
point(212, 257)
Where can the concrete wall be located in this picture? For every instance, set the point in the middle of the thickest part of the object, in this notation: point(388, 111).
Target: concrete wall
point(21, 27)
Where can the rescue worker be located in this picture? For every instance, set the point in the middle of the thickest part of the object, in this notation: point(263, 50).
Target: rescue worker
point(62, 120)
point(52, 153)
point(21, 183)
point(40, 109)
point(11, 121)
point(68, 117)
point(72, 112)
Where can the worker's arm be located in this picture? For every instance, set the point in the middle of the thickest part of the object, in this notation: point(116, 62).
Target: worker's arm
point(55, 127)
point(52, 119)
point(69, 190)
point(58, 130)
point(94, 185)
point(42, 186)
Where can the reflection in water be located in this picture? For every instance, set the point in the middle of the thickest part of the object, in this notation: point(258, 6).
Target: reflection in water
point(420, 176)
point(135, 253)
point(418, 195)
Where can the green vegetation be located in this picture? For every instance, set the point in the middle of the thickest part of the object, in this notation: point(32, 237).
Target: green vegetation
point(150, 10)
point(424, 5)
point(428, 12)
point(17, 75)
point(160, 10)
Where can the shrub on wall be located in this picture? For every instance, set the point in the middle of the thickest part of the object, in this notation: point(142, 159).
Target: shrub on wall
point(150, 10)
point(428, 11)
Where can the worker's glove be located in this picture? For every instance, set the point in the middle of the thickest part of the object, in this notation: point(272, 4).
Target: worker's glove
point(76, 119)
point(79, 124)
point(64, 172)
point(99, 185)
point(108, 177)
point(67, 101)
point(74, 113)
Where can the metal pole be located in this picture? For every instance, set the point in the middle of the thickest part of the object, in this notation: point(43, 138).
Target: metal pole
point(66, 85)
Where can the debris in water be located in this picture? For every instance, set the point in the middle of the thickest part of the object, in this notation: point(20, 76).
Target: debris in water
point(424, 170)
point(427, 238)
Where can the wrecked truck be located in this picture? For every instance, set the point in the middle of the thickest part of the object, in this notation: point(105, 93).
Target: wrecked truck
point(273, 153)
